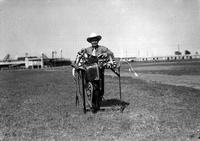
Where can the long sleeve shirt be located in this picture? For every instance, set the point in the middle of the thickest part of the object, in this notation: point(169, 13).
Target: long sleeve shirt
point(95, 52)
point(98, 50)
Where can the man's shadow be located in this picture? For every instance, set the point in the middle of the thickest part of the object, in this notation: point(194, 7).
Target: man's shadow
point(113, 104)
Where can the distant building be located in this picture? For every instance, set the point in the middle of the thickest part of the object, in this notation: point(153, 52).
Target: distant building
point(161, 58)
point(34, 62)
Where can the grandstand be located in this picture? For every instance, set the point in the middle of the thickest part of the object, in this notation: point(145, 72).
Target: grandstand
point(32, 62)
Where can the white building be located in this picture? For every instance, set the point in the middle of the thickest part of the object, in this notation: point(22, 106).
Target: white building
point(34, 62)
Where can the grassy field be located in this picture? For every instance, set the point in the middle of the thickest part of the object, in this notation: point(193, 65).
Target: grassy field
point(40, 105)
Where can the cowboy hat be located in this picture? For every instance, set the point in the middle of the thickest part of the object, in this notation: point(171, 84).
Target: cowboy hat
point(92, 36)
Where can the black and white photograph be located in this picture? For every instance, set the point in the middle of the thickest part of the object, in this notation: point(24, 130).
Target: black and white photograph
point(99, 70)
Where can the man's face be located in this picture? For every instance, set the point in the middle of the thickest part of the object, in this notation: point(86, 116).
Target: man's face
point(94, 42)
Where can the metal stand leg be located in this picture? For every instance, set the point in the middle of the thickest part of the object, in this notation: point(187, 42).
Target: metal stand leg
point(83, 89)
point(120, 93)
point(118, 74)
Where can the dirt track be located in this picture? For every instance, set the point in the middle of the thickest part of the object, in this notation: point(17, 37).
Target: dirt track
point(192, 81)
point(173, 73)
point(183, 80)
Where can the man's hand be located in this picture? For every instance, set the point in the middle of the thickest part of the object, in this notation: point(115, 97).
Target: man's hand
point(73, 72)
point(103, 55)
point(109, 64)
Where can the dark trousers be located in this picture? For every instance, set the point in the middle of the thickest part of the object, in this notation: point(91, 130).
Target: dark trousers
point(102, 82)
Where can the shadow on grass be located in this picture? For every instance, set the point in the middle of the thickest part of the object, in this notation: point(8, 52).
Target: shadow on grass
point(114, 104)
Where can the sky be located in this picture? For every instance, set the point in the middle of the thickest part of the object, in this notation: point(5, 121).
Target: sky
point(132, 28)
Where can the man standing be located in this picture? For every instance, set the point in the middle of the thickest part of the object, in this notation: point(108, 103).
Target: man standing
point(99, 51)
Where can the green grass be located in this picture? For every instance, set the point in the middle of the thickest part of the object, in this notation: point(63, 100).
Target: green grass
point(40, 105)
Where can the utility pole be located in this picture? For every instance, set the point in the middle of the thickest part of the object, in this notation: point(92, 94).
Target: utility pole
point(179, 47)
point(52, 53)
point(138, 52)
point(55, 54)
point(61, 53)
point(126, 55)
